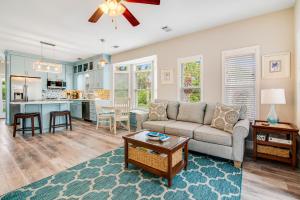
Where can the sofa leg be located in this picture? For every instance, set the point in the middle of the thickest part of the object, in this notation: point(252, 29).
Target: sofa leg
point(237, 164)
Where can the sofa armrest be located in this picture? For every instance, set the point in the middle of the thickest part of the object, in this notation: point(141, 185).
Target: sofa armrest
point(140, 118)
point(240, 132)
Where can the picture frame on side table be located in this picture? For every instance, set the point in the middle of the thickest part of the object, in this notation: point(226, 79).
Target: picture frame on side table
point(166, 76)
point(276, 65)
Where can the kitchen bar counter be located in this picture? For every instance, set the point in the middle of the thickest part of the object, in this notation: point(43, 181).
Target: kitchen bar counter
point(44, 107)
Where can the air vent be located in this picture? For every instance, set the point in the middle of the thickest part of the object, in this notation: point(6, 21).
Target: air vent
point(166, 28)
point(116, 46)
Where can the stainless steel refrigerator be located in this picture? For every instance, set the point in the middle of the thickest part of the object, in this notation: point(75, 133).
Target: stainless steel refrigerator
point(24, 88)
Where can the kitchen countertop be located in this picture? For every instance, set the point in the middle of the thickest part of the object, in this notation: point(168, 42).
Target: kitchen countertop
point(39, 102)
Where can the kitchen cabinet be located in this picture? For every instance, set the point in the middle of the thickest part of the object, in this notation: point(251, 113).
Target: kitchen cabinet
point(58, 76)
point(76, 109)
point(69, 77)
point(17, 65)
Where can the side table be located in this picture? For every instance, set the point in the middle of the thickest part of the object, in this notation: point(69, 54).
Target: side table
point(265, 148)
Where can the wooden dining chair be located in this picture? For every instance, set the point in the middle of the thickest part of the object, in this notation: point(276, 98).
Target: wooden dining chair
point(103, 115)
point(122, 114)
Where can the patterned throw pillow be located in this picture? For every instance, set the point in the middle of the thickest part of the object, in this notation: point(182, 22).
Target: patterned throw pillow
point(225, 117)
point(158, 112)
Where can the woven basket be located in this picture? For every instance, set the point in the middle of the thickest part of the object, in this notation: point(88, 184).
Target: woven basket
point(273, 151)
point(155, 161)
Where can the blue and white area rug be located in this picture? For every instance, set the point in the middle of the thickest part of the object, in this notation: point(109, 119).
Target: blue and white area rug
point(105, 178)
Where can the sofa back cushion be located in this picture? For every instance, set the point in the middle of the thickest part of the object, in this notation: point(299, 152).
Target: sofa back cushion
point(210, 110)
point(191, 112)
point(209, 113)
point(172, 108)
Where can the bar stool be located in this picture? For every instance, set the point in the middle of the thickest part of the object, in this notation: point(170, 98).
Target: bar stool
point(54, 114)
point(23, 117)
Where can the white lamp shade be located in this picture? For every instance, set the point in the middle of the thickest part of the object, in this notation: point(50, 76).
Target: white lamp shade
point(273, 96)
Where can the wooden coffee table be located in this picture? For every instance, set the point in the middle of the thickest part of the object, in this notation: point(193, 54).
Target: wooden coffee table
point(164, 159)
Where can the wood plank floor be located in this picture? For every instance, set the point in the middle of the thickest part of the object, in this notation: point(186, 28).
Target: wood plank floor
point(26, 159)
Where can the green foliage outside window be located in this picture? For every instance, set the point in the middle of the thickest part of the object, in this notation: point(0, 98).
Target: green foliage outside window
point(192, 81)
point(4, 95)
point(143, 79)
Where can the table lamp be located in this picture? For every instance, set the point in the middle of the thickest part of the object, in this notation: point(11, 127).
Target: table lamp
point(273, 97)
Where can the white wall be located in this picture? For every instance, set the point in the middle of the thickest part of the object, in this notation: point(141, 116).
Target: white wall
point(273, 32)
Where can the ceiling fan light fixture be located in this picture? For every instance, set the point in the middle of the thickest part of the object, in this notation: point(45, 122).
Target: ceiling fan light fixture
point(112, 7)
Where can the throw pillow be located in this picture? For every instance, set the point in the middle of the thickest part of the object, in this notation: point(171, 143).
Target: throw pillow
point(172, 108)
point(158, 112)
point(225, 117)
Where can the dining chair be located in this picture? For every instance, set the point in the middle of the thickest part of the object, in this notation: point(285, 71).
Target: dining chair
point(122, 114)
point(103, 115)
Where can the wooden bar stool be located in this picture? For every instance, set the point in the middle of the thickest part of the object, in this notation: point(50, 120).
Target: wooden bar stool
point(23, 117)
point(54, 114)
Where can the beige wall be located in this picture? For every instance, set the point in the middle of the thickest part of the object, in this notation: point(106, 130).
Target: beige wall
point(273, 32)
point(297, 42)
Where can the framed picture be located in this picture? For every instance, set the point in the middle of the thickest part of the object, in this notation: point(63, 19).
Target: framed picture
point(276, 65)
point(166, 76)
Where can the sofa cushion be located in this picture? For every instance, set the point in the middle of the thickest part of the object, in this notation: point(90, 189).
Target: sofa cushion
point(158, 112)
point(209, 113)
point(191, 112)
point(212, 135)
point(158, 126)
point(172, 108)
point(180, 128)
point(225, 117)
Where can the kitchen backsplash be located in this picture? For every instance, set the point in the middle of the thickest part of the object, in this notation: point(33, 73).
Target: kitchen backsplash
point(54, 94)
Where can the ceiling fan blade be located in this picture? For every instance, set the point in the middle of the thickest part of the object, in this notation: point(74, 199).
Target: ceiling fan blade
point(129, 16)
point(96, 16)
point(155, 2)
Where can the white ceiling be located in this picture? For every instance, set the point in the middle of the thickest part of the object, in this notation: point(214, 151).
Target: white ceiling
point(23, 23)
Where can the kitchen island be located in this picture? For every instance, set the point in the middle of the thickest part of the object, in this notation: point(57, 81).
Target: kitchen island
point(43, 107)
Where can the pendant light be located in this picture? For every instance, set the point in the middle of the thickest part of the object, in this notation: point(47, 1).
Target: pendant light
point(102, 62)
point(48, 67)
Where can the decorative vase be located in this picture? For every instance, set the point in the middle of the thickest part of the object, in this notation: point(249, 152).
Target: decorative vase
point(272, 116)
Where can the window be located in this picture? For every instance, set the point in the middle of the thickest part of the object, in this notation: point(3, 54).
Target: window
point(143, 84)
point(136, 80)
point(240, 69)
point(121, 82)
point(190, 79)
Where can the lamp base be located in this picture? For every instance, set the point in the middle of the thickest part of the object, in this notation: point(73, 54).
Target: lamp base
point(272, 116)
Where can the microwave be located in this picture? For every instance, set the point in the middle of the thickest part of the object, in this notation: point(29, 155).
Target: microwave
point(56, 84)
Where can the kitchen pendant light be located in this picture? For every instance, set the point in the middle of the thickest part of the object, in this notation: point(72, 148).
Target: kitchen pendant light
point(102, 62)
point(48, 67)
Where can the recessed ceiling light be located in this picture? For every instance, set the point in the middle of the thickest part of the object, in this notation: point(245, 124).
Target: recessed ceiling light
point(116, 46)
point(79, 58)
point(166, 28)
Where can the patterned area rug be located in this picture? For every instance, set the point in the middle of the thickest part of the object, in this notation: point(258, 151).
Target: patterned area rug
point(105, 178)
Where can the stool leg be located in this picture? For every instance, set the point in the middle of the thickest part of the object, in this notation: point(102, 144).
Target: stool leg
point(66, 116)
point(70, 121)
point(32, 125)
point(54, 123)
point(15, 127)
point(23, 125)
point(40, 124)
point(50, 124)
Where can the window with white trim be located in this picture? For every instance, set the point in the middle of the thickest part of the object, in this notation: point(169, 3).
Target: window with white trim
point(135, 79)
point(240, 67)
point(190, 79)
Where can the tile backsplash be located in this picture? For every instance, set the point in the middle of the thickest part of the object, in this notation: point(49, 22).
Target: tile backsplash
point(54, 94)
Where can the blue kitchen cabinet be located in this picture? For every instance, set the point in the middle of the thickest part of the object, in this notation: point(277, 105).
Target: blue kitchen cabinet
point(17, 65)
point(69, 77)
point(76, 109)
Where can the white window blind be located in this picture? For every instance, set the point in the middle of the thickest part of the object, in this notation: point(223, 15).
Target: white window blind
point(239, 84)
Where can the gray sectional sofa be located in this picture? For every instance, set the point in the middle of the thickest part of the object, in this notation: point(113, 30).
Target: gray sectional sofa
point(193, 120)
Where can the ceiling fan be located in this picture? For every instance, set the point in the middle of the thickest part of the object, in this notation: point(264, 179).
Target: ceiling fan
point(116, 7)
